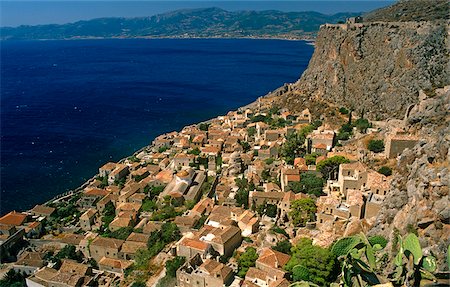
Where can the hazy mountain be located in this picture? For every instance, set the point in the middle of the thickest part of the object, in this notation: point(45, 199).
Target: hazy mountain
point(209, 22)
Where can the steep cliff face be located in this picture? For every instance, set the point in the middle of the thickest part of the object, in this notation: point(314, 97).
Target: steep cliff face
point(419, 195)
point(377, 67)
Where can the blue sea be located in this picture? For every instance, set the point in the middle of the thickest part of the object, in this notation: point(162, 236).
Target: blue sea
point(67, 107)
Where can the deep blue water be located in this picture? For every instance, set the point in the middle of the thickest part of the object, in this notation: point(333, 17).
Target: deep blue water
point(67, 107)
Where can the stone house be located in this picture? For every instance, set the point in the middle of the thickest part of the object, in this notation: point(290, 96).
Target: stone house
point(204, 273)
point(112, 265)
point(325, 137)
point(257, 198)
point(287, 176)
point(29, 262)
point(396, 144)
point(105, 247)
point(120, 172)
point(87, 219)
point(91, 196)
point(42, 210)
point(182, 160)
point(106, 169)
point(351, 176)
point(190, 247)
point(224, 240)
point(272, 262)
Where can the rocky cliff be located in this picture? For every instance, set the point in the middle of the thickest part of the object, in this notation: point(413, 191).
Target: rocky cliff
point(418, 199)
point(375, 66)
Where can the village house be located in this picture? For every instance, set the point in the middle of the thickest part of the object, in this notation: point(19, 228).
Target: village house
point(224, 240)
point(120, 172)
point(257, 198)
point(117, 266)
point(272, 262)
point(320, 136)
point(304, 117)
point(266, 152)
point(182, 160)
point(207, 273)
point(287, 176)
point(190, 247)
point(89, 197)
point(87, 219)
point(351, 176)
point(396, 144)
point(70, 274)
point(29, 262)
point(105, 247)
point(42, 210)
point(106, 169)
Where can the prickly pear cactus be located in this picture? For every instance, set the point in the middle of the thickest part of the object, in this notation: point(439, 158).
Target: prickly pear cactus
point(411, 244)
point(378, 239)
point(344, 245)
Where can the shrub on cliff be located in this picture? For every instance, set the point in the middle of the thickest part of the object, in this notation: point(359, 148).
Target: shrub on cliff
point(376, 146)
point(385, 170)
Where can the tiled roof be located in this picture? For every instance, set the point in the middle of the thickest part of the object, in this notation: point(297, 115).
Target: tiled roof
point(273, 258)
point(42, 209)
point(194, 244)
point(107, 242)
point(115, 263)
point(13, 218)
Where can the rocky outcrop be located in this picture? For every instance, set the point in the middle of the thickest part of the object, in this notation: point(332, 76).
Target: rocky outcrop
point(375, 67)
point(419, 195)
point(411, 10)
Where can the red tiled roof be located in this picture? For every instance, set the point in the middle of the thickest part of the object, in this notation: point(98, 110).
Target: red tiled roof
point(13, 218)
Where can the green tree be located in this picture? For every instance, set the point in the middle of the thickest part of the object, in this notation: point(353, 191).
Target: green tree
point(302, 211)
point(283, 246)
point(173, 265)
point(246, 260)
point(203, 126)
point(319, 262)
point(148, 205)
point(376, 146)
point(309, 183)
point(293, 147)
point(69, 252)
point(385, 170)
point(362, 125)
point(121, 233)
point(242, 194)
point(343, 111)
point(330, 166)
point(13, 279)
point(251, 131)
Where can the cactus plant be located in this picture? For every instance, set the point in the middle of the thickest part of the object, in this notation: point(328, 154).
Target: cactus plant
point(412, 245)
point(412, 266)
point(303, 284)
point(378, 239)
point(344, 245)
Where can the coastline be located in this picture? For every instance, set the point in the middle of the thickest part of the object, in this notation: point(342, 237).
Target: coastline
point(69, 193)
point(281, 38)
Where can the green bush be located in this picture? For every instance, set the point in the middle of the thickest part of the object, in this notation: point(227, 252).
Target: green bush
point(385, 170)
point(343, 111)
point(319, 262)
point(302, 211)
point(173, 265)
point(246, 260)
point(283, 246)
point(376, 146)
point(330, 166)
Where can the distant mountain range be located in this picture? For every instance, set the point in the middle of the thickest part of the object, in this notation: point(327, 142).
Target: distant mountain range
point(209, 22)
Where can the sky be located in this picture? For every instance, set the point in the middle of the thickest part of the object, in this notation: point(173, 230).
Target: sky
point(20, 12)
